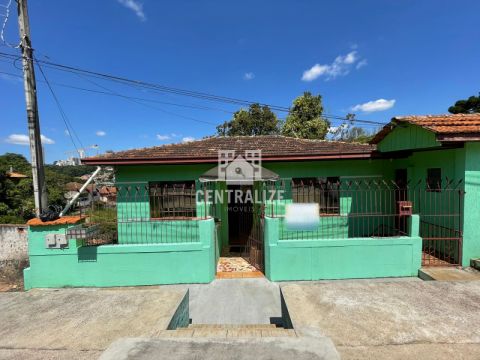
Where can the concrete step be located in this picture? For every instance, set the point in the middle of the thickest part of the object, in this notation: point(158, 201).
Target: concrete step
point(232, 326)
point(475, 263)
point(287, 348)
point(226, 333)
point(449, 273)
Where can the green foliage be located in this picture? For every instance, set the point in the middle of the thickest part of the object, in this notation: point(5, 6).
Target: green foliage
point(17, 161)
point(358, 135)
point(305, 118)
point(257, 120)
point(469, 106)
point(72, 171)
point(16, 196)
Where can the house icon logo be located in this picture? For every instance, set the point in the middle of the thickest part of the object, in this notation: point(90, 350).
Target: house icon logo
point(241, 169)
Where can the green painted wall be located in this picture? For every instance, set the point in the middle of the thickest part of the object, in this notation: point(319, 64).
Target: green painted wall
point(134, 211)
point(158, 231)
point(119, 265)
point(437, 208)
point(317, 259)
point(343, 168)
point(471, 238)
point(408, 137)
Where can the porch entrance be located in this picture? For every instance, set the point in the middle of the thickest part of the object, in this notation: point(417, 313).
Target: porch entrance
point(244, 252)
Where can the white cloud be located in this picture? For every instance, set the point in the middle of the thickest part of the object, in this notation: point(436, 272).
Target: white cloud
point(249, 76)
point(21, 139)
point(66, 132)
point(100, 133)
point(339, 67)
point(350, 58)
point(46, 140)
point(375, 105)
point(314, 72)
point(163, 137)
point(135, 6)
point(361, 64)
point(188, 139)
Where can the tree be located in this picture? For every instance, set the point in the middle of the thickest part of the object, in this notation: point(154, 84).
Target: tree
point(469, 106)
point(305, 118)
point(349, 133)
point(257, 120)
point(16, 196)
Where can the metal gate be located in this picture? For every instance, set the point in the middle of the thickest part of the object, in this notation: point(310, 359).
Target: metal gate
point(255, 244)
point(440, 207)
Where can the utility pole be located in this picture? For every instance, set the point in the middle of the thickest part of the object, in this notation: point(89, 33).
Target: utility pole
point(36, 151)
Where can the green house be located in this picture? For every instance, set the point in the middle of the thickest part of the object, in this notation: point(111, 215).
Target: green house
point(408, 199)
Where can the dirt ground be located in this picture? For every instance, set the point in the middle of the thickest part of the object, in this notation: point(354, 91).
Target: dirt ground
point(11, 275)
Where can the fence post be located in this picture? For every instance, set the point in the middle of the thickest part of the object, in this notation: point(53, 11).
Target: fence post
point(414, 225)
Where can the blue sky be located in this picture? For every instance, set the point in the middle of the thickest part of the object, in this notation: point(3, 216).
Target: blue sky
point(416, 57)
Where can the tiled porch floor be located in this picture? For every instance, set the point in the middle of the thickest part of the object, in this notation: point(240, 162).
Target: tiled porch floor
point(236, 267)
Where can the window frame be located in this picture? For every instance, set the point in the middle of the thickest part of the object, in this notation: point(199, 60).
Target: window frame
point(322, 195)
point(436, 180)
point(170, 204)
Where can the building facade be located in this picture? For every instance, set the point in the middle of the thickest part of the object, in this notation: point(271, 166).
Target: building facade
point(408, 199)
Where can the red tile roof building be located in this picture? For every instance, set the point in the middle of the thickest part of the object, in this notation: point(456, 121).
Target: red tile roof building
point(273, 147)
point(448, 127)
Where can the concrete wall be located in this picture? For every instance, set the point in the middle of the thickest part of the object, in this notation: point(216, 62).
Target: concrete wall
point(317, 259)
point(139, 176)
point(471, 238)
point(119, 265)
point(13, 242)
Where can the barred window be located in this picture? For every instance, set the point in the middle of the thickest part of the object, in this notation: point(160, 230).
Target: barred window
point(172, 199)
point(434, 179)
point(324, 191)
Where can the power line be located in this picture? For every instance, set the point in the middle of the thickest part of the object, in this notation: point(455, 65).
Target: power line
point(198, 107)
point(64, 116)
point(108, 93)
point(143, 104)
point(182, 92)
point(4, 25)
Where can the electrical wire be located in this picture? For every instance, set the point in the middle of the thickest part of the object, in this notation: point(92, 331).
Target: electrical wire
point(4, 25)
point(147, 105)
point(64, 116)
point(176, 91)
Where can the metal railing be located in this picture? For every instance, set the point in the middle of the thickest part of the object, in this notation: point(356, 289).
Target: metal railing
point(169, 212)
point(375, 208)
point(154, 213)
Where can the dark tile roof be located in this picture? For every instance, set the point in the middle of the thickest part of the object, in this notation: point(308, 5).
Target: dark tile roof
point(447, 124)
point(273, 147)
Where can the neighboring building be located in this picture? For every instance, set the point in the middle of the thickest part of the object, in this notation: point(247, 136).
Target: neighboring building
point(410, 198)
point(71, 161)
point(89, 195)
point(14, 175)
point(108, 194)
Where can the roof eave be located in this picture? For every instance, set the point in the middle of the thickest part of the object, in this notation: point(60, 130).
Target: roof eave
point(458, 137)
point(148, 161)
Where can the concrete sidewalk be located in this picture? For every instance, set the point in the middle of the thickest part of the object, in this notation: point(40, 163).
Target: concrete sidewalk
point(235, 301)
point(395, 320)
point(80, 323)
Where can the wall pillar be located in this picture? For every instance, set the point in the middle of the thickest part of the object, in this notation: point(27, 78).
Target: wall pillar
point(471, 207)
